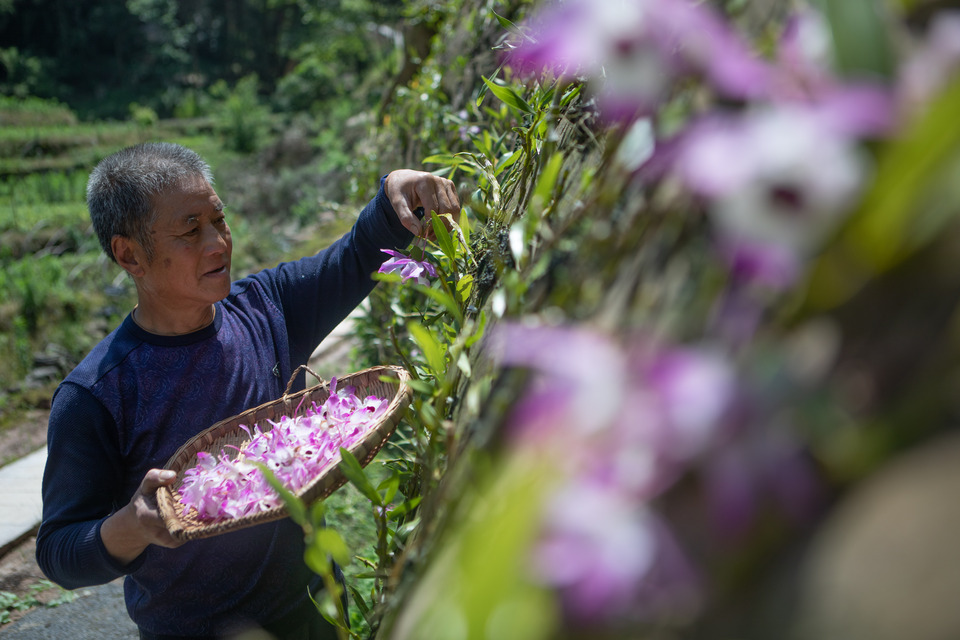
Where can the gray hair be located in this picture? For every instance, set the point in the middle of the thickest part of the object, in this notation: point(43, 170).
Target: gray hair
point(122, 189)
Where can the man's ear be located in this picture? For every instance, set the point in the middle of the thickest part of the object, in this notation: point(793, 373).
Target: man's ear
point(129, 255)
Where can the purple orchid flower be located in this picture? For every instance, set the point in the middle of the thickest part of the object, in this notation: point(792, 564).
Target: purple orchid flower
point(642, 411)
point(632, 50)
point(408, 268)
point(611, 558)
point(777, 180)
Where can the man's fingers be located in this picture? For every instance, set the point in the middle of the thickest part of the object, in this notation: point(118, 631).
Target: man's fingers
point(155, 479)
point(408, 218)
point(409, 190)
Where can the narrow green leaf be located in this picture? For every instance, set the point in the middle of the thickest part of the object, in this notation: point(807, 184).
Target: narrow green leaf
point(443, 236)
point(359, 600)
point(355, 474)
point(547, 181)
point(506, 161)
point(432, 350)
point(386, 277)
point(508, 96)
point(421, 386)
point(465, 286)
point(862, 40)
point(404, 508)
point(444, 299)
point(478, 330)
point(390, 486)
point(506, 24)
point(440, 158)
point(298, 511)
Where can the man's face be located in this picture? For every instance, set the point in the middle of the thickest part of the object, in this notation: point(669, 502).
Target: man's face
point(191, 249)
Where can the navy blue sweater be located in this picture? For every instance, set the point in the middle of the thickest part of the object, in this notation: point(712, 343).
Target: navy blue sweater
point(137, 397)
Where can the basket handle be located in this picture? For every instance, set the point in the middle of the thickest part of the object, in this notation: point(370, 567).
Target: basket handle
point(302, 367)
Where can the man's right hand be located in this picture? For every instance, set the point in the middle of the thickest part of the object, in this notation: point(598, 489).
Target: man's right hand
point(137, 525)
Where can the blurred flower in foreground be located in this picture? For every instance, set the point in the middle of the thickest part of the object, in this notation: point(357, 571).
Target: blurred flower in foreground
point(610, 558)
point(407, 267)
point(763, 468)
point(624, 422)
point(632, 50)
point(777, 179)
point(805, 76)
point(934, 61)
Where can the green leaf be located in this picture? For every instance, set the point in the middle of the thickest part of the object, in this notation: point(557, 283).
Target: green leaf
point(355, 474)
point(359, 600)
point(404, 508)
point(421, 386)
point(465, 286)
point(387, 277)
point(478, 330)
point(861, 37)
point(506, 161)
point(444, 299)
point(443, 236)
point(546, 183)
point(432, 350)
point(506, 24)
point(317, 513)
point(295, 506)
point(390, 486)
point(440, 158)
point(508, 96)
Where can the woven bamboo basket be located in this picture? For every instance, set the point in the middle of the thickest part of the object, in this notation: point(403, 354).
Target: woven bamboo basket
point(383, 382)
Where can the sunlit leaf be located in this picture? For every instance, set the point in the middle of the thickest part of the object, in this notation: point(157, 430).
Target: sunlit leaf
point(295, 506)
point(508, 96)
point(404, 508)
point(390, 486)
point(443, 236)
point(432, 350)
point(355, 474)
point(444, 299)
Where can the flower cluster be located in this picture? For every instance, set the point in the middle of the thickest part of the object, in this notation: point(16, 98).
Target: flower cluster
point(625, 421)
point(296, 449)
point(776, 172)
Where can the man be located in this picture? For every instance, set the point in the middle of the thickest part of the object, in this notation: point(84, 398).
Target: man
point(194, 350)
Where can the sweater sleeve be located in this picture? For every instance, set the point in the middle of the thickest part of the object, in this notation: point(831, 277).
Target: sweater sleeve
point(317, 292)
point(80, 490)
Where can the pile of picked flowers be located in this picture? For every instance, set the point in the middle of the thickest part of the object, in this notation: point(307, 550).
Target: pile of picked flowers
point(296, 449)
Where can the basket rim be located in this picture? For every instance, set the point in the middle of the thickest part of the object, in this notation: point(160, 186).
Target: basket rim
point(318, 488)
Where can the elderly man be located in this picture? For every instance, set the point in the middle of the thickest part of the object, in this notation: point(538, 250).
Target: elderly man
point(195, 349)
